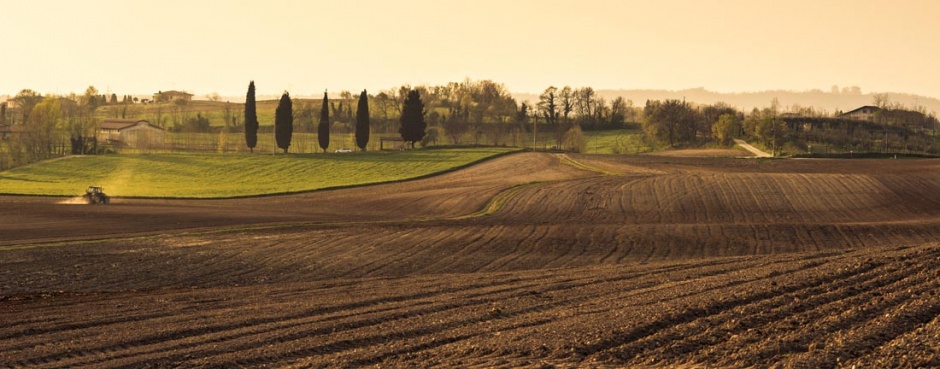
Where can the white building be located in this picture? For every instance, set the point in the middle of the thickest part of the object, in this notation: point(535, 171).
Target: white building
point(864, 113)
point(133, 133)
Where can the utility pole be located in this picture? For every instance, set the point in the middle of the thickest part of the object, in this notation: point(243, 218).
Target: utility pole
point(773, 125)
point(886, 139)
point(773, 132)
point(535, 128)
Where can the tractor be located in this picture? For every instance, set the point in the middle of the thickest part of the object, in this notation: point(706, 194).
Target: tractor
point(94, 195)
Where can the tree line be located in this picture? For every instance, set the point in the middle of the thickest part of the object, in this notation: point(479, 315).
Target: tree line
point(41, 127)
point(412, 120)
point(474, 112)
point(892, 128)
point(468, 112)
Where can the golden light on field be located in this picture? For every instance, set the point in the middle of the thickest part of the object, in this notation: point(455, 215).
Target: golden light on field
point(309, 46)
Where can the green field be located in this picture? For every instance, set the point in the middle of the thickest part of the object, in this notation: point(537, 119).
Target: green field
point(229, 175)
point(210, 109)
point(620, 141)
point(301, 142)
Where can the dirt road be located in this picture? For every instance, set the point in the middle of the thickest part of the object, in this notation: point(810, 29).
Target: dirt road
point(757, 152)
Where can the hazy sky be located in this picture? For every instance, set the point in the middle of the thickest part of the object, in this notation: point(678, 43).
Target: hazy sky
point(306, 46)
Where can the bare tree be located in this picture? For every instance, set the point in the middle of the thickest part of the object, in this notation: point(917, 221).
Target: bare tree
point(585, 104)
point(455, 124)
point(567, 105)
point(881, 100)
point(81, 124)
point(618, 112)
point(25, 100)
point(157, 115)
point(548, 105)
point(180, 112)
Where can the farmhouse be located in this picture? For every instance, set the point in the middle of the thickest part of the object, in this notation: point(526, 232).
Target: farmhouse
point(864, 113)
point(133, 133)
point(169, 96)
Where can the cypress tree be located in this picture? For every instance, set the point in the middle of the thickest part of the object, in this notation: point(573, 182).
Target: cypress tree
point(251, 119)
point(323, 129)
point(284, 122)
point(362, 121)
point(412, 118)
point(3, 114)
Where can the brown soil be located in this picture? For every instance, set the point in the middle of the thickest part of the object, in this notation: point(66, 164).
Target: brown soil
point(729, 153)
point(531, 260)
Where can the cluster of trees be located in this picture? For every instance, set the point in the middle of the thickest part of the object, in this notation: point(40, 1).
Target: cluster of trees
point(474, 110)
point(307, 114)
point(176, 116)
point(675, 123)
point(284, 121)
point(582, 106)
point(567, 111)
point(892, 129)
point(96, 100)
point(39, 127)
point(481, 111)
point(484, 112)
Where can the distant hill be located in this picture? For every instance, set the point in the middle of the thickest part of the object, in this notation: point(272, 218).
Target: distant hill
point(820, 100)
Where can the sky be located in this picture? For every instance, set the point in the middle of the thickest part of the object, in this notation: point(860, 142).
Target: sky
point(308, 46)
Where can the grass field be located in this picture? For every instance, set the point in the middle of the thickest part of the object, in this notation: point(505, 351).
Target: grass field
point(620, 141)
point(214, 110)
point(229, 175)
point(210, 109)
point(301, 142)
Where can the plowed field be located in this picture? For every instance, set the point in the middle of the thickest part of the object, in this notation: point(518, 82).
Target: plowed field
point(530, 260)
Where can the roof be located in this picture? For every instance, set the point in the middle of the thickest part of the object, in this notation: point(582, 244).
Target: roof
point(174, 92)
point(119, 124)
point(875, 108)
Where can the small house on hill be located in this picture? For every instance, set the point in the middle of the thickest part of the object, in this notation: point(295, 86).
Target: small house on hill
point(864, 113)
point(170, 96)
point(132, 133)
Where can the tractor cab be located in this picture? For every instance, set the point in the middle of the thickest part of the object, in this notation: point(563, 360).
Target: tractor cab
point(95, 195)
